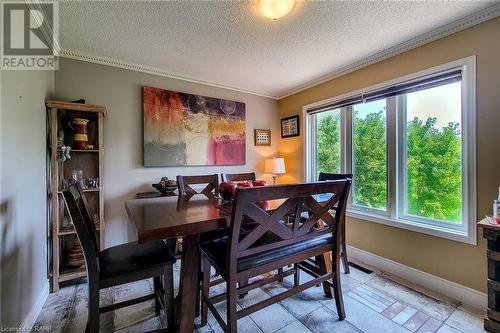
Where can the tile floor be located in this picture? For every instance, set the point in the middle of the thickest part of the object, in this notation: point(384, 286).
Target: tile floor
point(373, 302)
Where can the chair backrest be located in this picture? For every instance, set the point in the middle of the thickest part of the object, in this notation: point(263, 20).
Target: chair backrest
point(84, 226)
point(323, 176)
point(235, 177)
point(211, 181)
point(285, 200)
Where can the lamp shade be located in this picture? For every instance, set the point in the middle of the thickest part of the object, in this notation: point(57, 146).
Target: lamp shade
point(274, 166)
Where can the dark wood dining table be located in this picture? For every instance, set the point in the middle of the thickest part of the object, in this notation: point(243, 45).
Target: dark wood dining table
point(187, 217)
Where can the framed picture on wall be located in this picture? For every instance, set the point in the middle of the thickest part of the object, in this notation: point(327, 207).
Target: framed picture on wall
point(290, 127)
point(262, 137)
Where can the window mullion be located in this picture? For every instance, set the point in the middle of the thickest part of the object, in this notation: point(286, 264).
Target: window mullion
point(346, 114)
point(401, 182)
point(392, 156)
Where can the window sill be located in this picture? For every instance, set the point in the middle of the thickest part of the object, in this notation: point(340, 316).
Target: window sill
point(455, 235)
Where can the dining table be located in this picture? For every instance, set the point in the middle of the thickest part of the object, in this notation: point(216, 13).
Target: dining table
point(164, 218)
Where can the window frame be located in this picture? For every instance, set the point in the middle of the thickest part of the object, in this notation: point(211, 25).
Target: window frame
point(396, 154)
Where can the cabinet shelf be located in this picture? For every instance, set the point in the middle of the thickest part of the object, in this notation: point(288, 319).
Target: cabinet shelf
point(68, 274)
point(71, 231)
point(88, 190)
point(82, 150)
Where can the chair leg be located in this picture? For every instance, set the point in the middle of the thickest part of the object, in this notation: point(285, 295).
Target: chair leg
point(242, 284)
point(93, 307)
point(205, 290)
point(156, 287)
point(232, 326)
point(296, 275)
point(168, 288)
point(337, 291)
point(280, 270)
point(324, 263)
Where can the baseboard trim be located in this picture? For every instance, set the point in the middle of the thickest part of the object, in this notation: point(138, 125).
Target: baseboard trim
point(445, 287)
point(32, 316)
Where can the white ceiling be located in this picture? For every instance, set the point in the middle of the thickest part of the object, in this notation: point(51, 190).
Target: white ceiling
point(230, 44)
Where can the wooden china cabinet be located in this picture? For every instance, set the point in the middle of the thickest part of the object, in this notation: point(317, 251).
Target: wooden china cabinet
point(76, 127)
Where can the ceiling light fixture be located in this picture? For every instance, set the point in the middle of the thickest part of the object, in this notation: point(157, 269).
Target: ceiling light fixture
point(275, 9)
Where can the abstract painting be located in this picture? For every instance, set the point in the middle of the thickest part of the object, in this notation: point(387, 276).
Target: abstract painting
point(185, 129)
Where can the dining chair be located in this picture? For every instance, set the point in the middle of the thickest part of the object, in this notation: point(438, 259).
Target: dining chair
point(235, 177)
point(212, 184)
point(273, 244)
point(324, 176)
point(120, 264)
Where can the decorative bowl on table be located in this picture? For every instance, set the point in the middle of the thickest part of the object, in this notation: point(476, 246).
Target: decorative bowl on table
point(166, 186)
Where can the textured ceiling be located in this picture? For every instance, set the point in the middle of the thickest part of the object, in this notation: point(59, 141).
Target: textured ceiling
point(231, 44)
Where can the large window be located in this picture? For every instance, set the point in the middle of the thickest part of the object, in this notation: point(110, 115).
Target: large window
point(410, 145)
point(433, 161)
point(328, 141)
point(369, 155)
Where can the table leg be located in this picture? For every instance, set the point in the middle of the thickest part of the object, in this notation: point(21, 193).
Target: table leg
point(188, 283)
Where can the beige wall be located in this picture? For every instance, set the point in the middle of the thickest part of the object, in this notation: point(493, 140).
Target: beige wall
point(23, 225)
point(458, 262)
point(121, 92)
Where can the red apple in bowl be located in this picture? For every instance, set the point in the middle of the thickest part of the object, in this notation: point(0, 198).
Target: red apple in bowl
point(227, 189)
point(245, 184)
point(259, 182)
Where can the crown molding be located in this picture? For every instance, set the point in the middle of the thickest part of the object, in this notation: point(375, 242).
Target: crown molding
point(446, 30)
point(103, 60)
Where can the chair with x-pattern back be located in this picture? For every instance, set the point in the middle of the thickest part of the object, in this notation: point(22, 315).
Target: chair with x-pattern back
point(211, 189)
point(272, 244)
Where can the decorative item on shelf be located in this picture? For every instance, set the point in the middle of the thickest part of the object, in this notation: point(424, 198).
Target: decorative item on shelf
point(290, 127)
point(92, 183)
point(62, 149)
point(66, 223)
point(262, 137)
point(80, 127)
point(275, 166)
point(166, 186)
point(74, 257)
point(65, 184)
point(77, 177)
point(496, 208)
point(96, 219)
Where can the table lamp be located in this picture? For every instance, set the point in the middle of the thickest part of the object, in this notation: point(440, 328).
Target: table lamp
point(274, 166)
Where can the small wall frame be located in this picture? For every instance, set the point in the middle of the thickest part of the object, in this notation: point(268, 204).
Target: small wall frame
point(290, 126)
point(262, 137)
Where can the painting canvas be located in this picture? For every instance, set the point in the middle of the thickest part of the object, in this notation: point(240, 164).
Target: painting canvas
point(185, 129)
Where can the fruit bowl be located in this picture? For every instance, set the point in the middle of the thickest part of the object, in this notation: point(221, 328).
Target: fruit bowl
point(166, 186)
point(165, 189)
